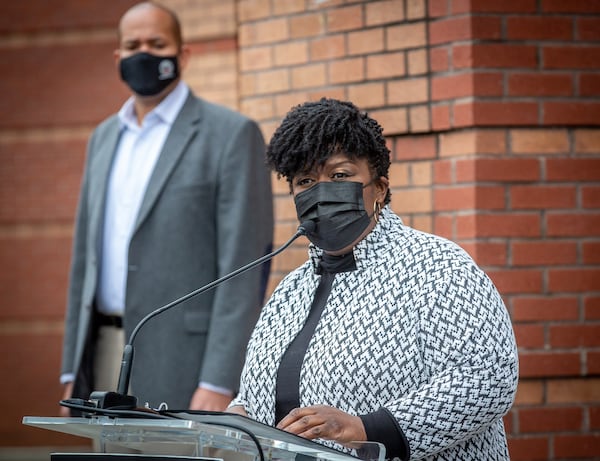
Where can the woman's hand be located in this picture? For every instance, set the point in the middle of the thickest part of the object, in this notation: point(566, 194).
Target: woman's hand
point(323, 422)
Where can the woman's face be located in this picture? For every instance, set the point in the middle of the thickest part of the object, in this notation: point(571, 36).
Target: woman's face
point(340, 167)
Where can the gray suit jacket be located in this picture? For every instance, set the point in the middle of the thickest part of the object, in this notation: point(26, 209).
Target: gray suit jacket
point(206, 212)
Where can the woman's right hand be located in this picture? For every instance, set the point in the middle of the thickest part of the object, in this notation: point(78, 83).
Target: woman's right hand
point(324, 422)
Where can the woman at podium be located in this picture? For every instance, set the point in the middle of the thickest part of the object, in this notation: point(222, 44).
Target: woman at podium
point(385, 333)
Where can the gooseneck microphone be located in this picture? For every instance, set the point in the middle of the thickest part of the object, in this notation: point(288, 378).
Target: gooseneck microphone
point(120, 400)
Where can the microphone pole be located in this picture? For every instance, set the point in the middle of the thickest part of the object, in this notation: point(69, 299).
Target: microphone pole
point(120, 399)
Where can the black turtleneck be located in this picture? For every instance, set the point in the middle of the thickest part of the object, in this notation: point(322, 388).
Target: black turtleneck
point(380, 425)
point(287, 391)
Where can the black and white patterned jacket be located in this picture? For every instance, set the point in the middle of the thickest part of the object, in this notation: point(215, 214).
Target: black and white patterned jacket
point(417, 329)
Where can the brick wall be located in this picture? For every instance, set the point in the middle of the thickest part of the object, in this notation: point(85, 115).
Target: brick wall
point(58, 81)
point(522, 87)
point(209, 27)
point(490, 109)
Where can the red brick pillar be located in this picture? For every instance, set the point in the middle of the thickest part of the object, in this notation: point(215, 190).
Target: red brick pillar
point(514, 98)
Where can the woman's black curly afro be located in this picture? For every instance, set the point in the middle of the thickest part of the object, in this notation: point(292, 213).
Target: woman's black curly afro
point(312, 132)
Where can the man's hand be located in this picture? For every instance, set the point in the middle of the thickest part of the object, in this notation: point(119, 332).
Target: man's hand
point(203, 399)
point(67, 394)
point(238, 410)
point(323, 422)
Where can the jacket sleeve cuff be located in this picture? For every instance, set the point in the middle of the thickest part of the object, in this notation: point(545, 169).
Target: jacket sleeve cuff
point(67, 378)
point(382, 427)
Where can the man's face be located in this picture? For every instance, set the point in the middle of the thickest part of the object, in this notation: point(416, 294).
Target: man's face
point(147, 30)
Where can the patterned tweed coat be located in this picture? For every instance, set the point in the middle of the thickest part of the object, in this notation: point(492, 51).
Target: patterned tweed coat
point(417, 329)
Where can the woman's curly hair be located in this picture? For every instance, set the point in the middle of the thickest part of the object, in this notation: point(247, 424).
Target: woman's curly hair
point(312, 132)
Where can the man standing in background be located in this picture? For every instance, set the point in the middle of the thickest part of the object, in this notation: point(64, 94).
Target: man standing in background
point(175, 194)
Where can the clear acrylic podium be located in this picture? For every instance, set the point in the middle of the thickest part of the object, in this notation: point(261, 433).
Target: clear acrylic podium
point(187, 436)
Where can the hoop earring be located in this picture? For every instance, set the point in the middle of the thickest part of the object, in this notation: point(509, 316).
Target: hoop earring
point(376, 210)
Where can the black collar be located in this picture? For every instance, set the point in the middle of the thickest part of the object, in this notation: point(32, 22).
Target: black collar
point(335, 264)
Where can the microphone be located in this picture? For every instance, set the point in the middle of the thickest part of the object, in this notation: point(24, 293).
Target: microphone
point(120, 400)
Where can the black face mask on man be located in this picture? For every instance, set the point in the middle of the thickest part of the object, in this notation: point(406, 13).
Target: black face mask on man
point(338, 211)
point(147, 74)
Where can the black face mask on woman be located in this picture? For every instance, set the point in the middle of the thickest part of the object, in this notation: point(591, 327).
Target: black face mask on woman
point(147, 74)
point(338, 211)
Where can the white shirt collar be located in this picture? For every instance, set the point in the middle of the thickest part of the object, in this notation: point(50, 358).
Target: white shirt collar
point(167, 110)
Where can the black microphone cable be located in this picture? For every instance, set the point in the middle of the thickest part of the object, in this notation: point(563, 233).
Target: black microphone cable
point(87, 407)
point(84, 406)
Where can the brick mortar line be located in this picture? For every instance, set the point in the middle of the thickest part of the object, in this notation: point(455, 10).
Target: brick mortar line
point(40, 230)
point(17, 327)
point(45, 134)
point(82, 37)
point(72, 37)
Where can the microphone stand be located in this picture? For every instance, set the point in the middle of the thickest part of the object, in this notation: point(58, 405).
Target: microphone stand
point(120, 400)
